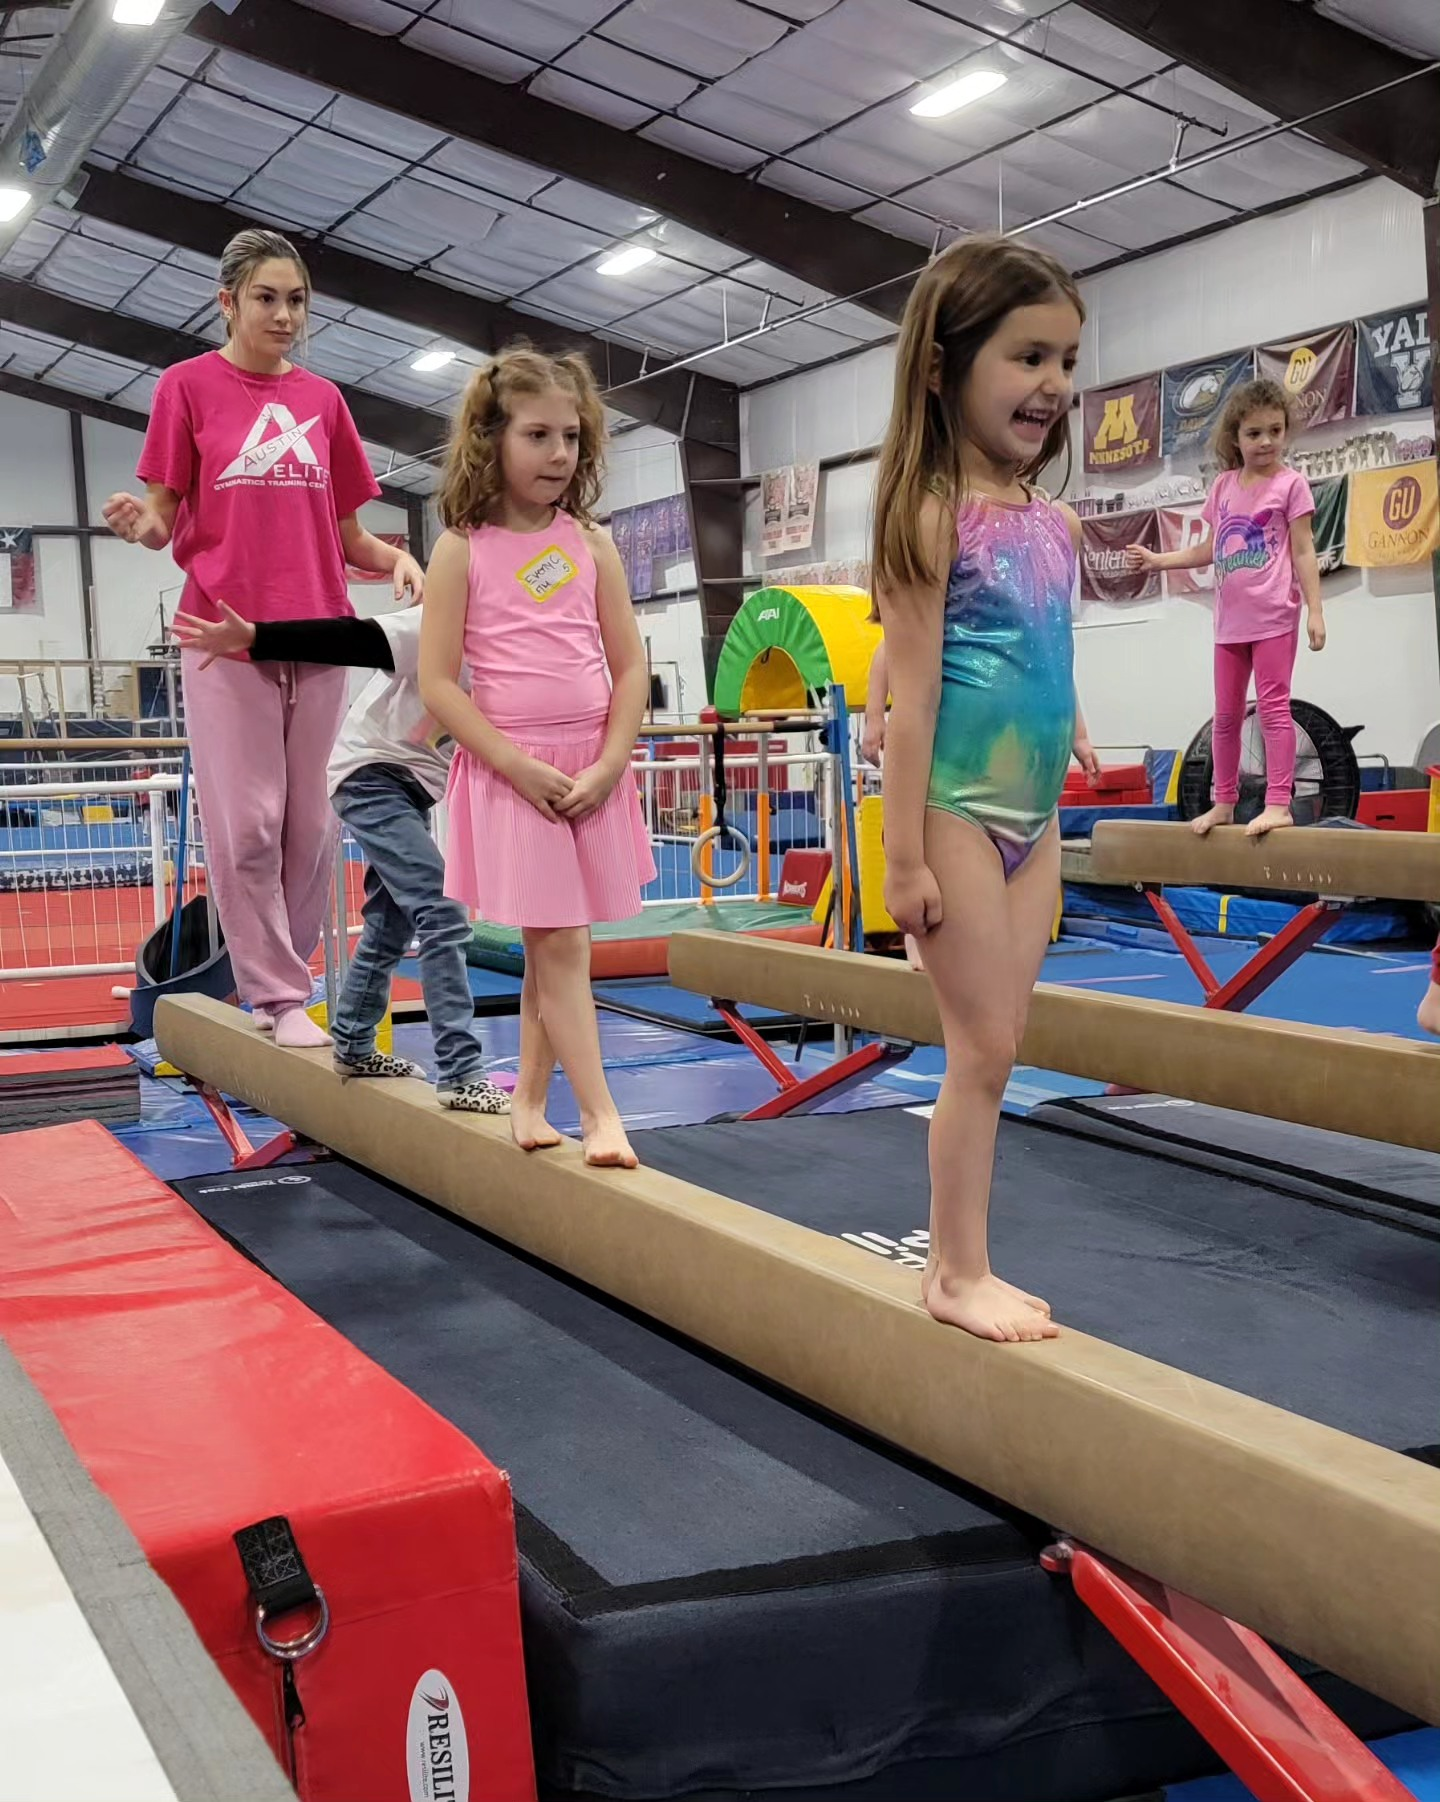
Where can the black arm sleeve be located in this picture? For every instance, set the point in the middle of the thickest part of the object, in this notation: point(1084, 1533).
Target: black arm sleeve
point(356, 643)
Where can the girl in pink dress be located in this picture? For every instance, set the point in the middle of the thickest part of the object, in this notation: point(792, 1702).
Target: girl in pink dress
point(1259, 512)
point(545, 830)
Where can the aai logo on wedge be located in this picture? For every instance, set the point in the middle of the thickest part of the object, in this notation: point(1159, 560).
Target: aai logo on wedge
point(437, 1755)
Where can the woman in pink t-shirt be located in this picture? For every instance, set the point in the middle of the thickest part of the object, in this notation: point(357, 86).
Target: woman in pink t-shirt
point(1261, 543)
point(254, 475)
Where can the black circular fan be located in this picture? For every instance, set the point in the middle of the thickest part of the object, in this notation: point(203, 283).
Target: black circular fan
point(1327, 772)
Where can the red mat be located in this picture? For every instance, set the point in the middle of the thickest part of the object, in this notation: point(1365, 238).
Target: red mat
point(203, 1398)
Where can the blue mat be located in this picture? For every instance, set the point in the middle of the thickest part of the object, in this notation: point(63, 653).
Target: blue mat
point(1413, 1757)
point(1234, 916)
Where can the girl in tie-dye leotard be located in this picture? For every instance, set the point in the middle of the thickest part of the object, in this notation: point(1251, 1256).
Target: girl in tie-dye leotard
point(1005, 727)
point(973, 571)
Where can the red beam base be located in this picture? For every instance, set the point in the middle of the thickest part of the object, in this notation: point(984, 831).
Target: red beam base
point(798, 1095)
point(1269, 1726)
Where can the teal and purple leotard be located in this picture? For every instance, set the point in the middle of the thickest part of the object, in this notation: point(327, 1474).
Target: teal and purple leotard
point(1006, 722)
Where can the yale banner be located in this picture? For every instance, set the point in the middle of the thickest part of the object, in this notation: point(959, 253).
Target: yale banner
point(1394, 516)
point(1397, 362)
point(1122, 426)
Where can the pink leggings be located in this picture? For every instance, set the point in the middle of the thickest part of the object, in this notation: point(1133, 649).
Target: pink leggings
point(1273, 661)
point(260, 735)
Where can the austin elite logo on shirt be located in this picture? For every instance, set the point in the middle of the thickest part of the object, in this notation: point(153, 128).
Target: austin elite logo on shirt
point(285, 458)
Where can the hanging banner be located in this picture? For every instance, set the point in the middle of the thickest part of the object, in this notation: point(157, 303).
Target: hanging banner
point(19, 571)
point(1180, 529)
point(1393, 517)
point(774, 505)
point(622, 531)
point(800, 506)
point(1396, 370)
point(1122, 426)
point(352, 574)
point(1317, 372)
point(1193, 395)
point(1331, 501)
point(642, 552)
point(1103, 575)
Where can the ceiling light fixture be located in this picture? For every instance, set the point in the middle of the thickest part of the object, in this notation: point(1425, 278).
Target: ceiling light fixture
point(429, 360)
point(13, 202)
point(955, 94)
point(137, 12)
point(634, 256)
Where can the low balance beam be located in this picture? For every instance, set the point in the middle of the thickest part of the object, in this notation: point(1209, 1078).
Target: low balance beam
point(1318, 860)
point(1367, 1084)
point(1328, 1545)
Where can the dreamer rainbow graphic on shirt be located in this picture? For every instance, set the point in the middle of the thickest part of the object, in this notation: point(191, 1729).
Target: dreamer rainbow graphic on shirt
point(1006, 721)
point(1246, 541)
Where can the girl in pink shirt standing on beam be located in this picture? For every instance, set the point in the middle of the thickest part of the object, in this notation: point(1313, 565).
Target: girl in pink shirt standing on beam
point(1260, 540)
point(254, 476)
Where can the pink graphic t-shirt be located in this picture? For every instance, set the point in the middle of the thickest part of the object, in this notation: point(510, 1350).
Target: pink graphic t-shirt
point(266, 467)
point(1257, 593)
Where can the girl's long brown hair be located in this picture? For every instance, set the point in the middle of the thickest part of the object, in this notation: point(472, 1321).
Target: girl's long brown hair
point(956, 305)
point(1259, 396)
point(473, 479)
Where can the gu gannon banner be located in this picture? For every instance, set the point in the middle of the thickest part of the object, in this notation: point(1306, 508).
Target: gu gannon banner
point(1331, 501)
point(1393, 517)
point(1180, 528)
point(1317, 372)
point(1122, 426)
point(1396, 370)
point(1103, 575)
point(19, 575)
point(1193, 395)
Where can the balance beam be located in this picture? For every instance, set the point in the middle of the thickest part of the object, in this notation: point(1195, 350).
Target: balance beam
point(1319, 860)
point(1368, 1084)
point(1327, 1544)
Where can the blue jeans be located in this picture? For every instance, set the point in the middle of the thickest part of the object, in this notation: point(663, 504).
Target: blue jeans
point(389, 814)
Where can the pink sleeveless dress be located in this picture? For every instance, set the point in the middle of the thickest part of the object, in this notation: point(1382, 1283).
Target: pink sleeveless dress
point(538, 673)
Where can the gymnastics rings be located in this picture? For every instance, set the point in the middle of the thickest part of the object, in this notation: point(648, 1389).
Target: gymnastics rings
point(719, 836)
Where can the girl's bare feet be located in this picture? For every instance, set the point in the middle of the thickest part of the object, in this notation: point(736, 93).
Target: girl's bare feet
point(529, 1128)
point(1269, 821)
point(987, 1308)
point(1221, 814)
point(1428, 1016)
point(927, 1276)
point(606, 1145)
point(295, 1028)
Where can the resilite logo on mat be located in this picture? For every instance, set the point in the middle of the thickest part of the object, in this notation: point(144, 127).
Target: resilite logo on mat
point(437, 1755)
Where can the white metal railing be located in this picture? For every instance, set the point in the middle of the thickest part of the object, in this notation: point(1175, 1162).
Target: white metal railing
point(85, 872)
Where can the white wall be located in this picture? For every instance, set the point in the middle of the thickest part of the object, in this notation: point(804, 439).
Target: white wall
point(37, 489)
point(644, 465)
point(1146, 680)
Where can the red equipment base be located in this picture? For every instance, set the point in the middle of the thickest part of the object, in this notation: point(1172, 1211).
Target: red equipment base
point(203, 1398)
point(1269, 1726)
point(1268, 965)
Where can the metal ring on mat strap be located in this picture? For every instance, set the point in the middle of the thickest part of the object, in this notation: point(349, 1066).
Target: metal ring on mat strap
point(292, 1650)
point(717, 835)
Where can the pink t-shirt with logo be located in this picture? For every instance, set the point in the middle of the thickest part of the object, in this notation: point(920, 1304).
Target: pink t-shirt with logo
point(1257, 593)
point(266, 467)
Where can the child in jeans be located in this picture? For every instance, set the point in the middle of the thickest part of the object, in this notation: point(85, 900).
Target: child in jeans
point(389, 767)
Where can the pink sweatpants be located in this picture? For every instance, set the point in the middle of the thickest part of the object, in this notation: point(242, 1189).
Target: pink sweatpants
point(1273, 661)
point(260, 737)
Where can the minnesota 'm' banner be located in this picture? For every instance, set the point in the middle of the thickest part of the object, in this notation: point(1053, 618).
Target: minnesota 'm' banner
point(1317, 372)
point(1396, 370)
point(1122, 426)
point(1394, 516)
point(1193, 395)
point(1180, 528)
point(1331, 499)
point(19, 578)
point(1103, 575)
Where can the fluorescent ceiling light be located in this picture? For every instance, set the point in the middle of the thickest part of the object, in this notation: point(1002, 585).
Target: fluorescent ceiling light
point(634, 256)
point(955, 94)
point(13, 202)
point(432, 359)
point(137, 12)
